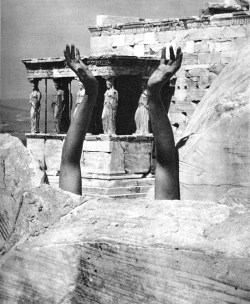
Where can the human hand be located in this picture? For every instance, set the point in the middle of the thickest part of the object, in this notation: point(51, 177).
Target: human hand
point(165, 70)
point(74, 61)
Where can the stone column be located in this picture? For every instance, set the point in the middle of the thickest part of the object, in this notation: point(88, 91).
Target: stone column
point(110, 108)
point(60, 105)
point(80, 95)
point(35, 105)
point(142, 113)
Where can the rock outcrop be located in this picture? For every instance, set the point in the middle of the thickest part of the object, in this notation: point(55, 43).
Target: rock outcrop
point(19, 171)
point(215, 152)
point(123, 251)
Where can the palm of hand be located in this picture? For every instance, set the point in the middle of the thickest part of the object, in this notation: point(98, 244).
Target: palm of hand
point(76, 65)
point(73, 60)
point(161, 75)
point(165, 70)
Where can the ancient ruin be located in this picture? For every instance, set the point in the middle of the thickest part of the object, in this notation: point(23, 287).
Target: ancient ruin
point(58, 247)
point(127, 50)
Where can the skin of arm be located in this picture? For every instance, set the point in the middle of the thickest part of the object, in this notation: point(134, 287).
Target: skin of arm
point(70, 172)
point(167, 172)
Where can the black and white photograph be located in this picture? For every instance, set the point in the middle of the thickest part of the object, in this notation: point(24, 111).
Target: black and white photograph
point(125, 152)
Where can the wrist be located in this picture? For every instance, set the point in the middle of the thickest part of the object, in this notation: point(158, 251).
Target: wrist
point(91, 88)
point(155, 88)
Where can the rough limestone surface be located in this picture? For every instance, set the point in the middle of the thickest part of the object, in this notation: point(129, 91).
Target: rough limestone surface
point(123, 251)
point(215, 148)
point(18, 171)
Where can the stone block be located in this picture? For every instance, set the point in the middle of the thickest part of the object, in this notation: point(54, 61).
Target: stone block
point(192, 83)
point(189, 59)
point(209, 58)
point(240, 43)
point(149, 38)
point(227, 56)
point(183, 107)
point(181, 83)
point(220, 45)
point(137, 163)
point(129, 39)
point(98, 146)
point(139, 38)
point(205, 33)
point(181, 35)
point(53, 152)
point(204, 82)
point(36, 146)
point(102, 51)
point(118, 40)
point(201, 47)
point(154, 49)
point(180, 94)
point(136, 147)
point(212, 77)
point(196, 94)
point(217, 68)
point(101, 42)
point(181, 73)
point(104, 162)
point(187, 46)
point(197, 72)
point(234, 32)
point(124, 50)
point(139, 50)
point(165, 36)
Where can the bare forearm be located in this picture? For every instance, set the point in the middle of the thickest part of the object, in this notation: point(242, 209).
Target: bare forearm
point(72, 148)
point(162, 130)
point(70, 170)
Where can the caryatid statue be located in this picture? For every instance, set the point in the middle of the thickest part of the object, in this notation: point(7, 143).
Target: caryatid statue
point(57, 105)
point(109, 108)
point(35, 98)
point(80, 95)
point(142, 114)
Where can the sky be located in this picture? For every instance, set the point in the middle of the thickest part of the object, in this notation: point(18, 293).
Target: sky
point(41, 28)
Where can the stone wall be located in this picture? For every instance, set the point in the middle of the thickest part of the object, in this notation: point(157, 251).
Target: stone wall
point(208, 44)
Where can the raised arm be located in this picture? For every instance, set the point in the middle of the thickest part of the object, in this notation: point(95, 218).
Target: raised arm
point(167, 172)
point(70, 172)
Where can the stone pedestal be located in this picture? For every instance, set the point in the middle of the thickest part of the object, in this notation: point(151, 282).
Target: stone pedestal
point(111, 165)
point(116, 165)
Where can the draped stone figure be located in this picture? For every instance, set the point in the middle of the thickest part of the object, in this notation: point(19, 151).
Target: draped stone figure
point(142, 114)
point(34, 102)
point(58, 105)
point(80, 96)
point(109, 109)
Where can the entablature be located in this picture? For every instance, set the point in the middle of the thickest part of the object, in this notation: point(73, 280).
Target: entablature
point(105, 66)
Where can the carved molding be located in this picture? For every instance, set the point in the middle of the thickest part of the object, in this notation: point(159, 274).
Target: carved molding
point(109, 65)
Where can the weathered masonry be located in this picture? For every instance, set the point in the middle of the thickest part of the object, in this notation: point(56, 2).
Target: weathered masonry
point(128, 49)
point(208, 43)
point(111, 164)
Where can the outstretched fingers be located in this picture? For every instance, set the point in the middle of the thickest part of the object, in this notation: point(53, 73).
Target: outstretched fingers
point(78, 56)
point(72, 51)
point(67, 53)
point(179, 56)
point(178, 60)
point(172, 55)
point(163, 56)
